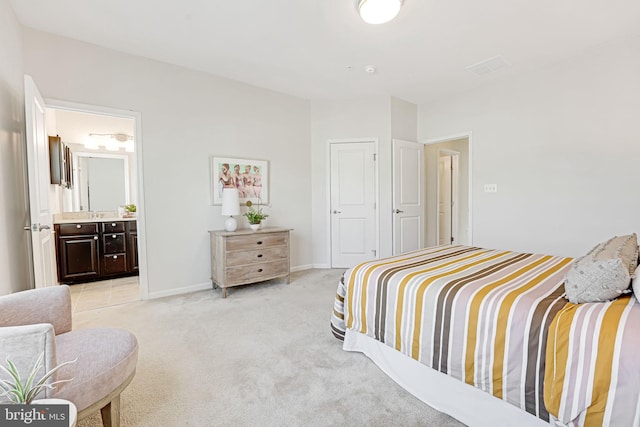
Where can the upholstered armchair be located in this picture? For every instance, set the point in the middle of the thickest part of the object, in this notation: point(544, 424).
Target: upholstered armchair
point(39, 320)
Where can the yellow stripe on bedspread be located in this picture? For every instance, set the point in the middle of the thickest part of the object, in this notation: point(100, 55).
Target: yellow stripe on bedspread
point(592, 357)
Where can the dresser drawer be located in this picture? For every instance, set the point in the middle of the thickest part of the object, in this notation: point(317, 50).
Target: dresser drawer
point(114, 264)
point(256, 241)
point(257, 255)
point(113, 227)
point(113, 243)
point(76, 229)
point(263, 271)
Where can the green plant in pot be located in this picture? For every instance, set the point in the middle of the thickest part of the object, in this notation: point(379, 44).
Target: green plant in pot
point(24, 391)
point(255, 217)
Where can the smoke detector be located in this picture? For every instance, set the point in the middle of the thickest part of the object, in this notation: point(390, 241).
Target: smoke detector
point(370, 69)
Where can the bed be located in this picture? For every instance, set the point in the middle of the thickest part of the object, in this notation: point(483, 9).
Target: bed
point(488, 337)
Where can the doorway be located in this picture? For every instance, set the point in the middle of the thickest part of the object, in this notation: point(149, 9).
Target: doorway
point(106, 167)
point(448, 189)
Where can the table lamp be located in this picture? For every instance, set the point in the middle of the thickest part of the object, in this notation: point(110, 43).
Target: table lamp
point(230, 206)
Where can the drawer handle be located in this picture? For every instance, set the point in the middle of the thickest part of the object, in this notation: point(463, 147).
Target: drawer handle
point(260, 242)
point(113, 236)
point(113, 224)
point(115, 257)
point(78, 226)
point(95, 237)
point(259, 255)
point(259, 270)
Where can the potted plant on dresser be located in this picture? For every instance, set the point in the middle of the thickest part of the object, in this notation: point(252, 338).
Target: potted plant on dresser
point(255, 217)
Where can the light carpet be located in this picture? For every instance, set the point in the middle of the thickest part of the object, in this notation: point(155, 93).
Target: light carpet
point(264, 356)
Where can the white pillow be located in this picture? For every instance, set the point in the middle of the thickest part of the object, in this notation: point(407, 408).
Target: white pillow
point(604, 273)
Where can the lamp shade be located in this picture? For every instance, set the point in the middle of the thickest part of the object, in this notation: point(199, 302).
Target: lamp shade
point(230, 201)
point(378, 11)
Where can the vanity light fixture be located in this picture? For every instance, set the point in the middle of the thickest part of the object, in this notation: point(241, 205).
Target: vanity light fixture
point(378, 11)
point(91, 144)
point(110, 141)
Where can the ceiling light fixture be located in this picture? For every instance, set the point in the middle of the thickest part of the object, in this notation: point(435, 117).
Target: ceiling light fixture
point(378, 11)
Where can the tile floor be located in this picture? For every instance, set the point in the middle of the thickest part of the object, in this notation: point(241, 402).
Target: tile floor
point(105, 293)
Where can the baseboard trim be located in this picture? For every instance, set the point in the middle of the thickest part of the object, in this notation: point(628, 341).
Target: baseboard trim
point(301, 268)
point(207, 285)
point(321, 266)
point(179, 291)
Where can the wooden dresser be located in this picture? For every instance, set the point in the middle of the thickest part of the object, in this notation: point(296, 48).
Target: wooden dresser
point(246, 256)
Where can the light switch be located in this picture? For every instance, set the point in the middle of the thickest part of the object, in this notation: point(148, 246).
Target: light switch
point(491, 188)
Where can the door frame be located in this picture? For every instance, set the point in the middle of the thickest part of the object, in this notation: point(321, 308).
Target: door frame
point(141, 218)
point(376, 189)
point(469, 136)
point(455, 194)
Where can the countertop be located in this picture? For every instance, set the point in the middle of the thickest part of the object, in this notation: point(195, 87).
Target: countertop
point(85, 220)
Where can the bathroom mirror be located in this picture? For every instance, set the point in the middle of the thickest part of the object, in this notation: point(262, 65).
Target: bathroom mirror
point(102, 182)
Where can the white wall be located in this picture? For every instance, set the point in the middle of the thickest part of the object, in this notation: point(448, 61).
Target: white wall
point(383, 118)
point(562, 143)
point(14, 266)
point(404, 120)
point(187, 116)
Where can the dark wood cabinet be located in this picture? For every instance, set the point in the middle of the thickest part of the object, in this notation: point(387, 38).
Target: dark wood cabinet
point(78, 258)
point(132, 242)
point(90, 251)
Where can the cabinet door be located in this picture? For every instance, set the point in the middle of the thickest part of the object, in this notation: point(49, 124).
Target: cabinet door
point(132, 252)
point(113, 243)
point(78, 258)
point(114, 264)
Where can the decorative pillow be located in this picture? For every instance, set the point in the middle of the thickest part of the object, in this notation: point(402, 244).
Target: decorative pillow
point(604, 273)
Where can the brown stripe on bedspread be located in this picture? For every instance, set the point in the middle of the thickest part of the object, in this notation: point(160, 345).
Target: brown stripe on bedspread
point(445, 305)
point(534, 381)
point(383, 285)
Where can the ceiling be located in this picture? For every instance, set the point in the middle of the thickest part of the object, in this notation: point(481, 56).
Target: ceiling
point(318, 49)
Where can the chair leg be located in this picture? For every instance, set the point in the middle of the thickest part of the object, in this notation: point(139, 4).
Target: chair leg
point(111, 413)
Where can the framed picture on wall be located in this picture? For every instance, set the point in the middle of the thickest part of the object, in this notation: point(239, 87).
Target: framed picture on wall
point(250, 177)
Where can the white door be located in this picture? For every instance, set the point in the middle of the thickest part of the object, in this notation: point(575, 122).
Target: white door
point(448, 203)
point(408, 196)
point(444, 201)
point(42, 239)
point(353, 203)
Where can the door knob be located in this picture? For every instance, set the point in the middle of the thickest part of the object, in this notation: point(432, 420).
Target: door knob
point(398, 211)
point(43, 227)
point(337, 212)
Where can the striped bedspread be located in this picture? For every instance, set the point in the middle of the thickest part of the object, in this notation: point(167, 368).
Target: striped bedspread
point(483, 316)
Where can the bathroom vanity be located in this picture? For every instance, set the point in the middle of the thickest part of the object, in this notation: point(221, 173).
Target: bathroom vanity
point(96, 249)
